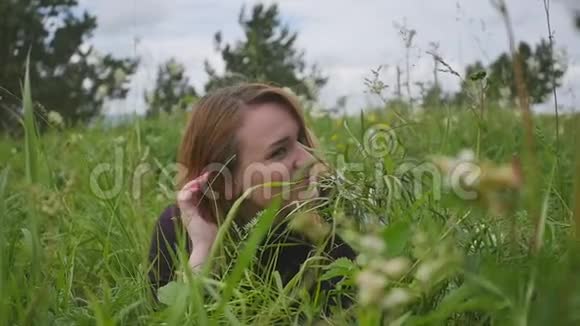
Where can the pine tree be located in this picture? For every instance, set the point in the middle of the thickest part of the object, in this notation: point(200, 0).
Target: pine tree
point(267, 53)
point(172, 89)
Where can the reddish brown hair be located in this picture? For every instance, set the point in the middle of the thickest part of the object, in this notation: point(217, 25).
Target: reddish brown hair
point(210, 136)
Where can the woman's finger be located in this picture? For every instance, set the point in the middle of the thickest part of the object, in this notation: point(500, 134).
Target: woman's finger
point(193, 186)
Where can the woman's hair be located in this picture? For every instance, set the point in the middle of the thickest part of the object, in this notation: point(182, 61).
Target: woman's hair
point(209, 142)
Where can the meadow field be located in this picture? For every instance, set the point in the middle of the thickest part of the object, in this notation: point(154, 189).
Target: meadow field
point(460, 216)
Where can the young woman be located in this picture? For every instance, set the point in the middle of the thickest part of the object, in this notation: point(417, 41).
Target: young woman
point(237, 138)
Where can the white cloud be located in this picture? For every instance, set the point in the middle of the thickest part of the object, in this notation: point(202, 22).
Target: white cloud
point(345, 38)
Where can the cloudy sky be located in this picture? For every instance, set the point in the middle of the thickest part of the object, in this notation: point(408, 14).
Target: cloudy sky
point(346, 38)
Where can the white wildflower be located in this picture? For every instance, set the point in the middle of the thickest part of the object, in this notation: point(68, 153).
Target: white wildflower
point(55, 119)
point(395, 268)
point(372, 243)
point(371, 286)
point(397, 297)
point(427, 270)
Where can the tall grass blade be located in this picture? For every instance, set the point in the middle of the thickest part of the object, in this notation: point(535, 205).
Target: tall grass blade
point(3, 245)
point(32, 150)
point(30, 130)
point(249, 251)
point(576, 198)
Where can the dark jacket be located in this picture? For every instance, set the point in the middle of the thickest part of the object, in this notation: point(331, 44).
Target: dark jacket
point(290, 256)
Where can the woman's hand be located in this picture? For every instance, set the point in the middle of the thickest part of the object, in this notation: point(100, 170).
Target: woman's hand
point(200, 230)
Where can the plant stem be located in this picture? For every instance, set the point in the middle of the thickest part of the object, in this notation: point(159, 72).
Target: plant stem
point(530, 165)
point(553, 79)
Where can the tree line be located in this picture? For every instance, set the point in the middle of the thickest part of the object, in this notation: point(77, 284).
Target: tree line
point(74, 79)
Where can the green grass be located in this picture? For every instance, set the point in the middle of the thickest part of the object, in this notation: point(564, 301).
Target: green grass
point(71, 255)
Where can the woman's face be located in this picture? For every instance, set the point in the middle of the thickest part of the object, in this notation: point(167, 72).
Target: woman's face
point(269, 151)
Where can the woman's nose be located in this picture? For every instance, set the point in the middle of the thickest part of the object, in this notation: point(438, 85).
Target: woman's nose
point(303, 156)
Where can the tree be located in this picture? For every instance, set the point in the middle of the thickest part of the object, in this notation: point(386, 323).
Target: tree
point(68, 76)
point(172, 89)
point(540, 66)
point(267, 54)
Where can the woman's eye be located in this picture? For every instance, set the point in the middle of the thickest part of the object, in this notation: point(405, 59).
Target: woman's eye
point(279, 153)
